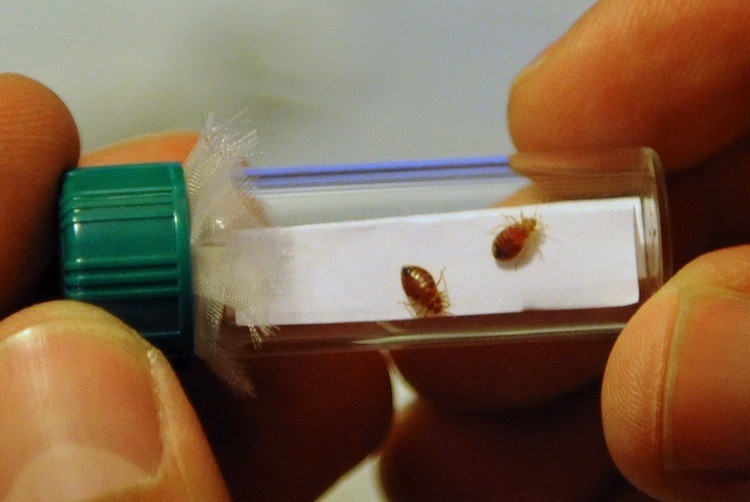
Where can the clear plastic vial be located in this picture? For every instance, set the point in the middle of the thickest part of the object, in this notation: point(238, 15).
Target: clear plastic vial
point(377, 256)
point(460, 251)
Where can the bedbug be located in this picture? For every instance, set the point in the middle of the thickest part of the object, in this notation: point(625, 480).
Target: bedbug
point(425, 296)
point(512, 240)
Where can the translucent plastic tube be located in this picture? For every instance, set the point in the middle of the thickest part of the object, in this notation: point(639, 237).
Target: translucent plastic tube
point(369, 256)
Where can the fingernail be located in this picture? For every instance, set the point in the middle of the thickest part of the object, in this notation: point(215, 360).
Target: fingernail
point(706, 424)
point(79, 417)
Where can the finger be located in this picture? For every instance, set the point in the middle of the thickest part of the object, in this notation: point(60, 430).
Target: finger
point(503, 376)
point(659, 73)
point(89, 410)
point(709, 204)
point(314, 417)
point(611, 80)
point(163, 147)
point(434, 455)
point(676, 392)
point(39, 140)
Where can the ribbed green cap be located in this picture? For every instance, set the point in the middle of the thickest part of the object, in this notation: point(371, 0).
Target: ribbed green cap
point(126, 247)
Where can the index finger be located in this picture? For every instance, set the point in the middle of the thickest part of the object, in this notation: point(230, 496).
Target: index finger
point(38, 141)
point(664, 74)
point(660, 73)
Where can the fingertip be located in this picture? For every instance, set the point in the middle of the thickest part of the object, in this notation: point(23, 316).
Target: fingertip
point(433, 453)
point(39, 137)
point(33, 117)
point(503, 376)
point(39, 141)
point(632, 391)
point(170, 146)
point(89, 409)
point(676, 391)
point(630, 72)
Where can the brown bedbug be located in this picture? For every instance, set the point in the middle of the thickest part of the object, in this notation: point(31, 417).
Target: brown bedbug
point(425, 296)
point(512, 240)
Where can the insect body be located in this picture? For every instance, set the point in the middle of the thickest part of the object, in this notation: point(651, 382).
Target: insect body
point(425, 295)
point(510, 242)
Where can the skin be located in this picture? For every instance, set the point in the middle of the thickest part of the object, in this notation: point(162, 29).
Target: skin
point(314, 419)
point(661, 413)
point(671, 75)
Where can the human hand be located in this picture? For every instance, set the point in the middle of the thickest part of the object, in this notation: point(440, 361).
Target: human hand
point(523, 421)
point(87, 408)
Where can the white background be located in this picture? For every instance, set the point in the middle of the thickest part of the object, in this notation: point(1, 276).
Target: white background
point(321, 81)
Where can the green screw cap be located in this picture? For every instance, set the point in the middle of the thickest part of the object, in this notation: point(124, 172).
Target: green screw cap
point(126, 247)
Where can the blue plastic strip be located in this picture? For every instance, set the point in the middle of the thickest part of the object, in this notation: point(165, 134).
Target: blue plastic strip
point(379, 172)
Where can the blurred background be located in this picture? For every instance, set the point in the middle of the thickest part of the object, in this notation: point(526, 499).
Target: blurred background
point(322, 82)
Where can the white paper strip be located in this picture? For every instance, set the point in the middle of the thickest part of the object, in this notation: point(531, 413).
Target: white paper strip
point(350, 271)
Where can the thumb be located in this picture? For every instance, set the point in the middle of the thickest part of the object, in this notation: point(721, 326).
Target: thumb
point(88, 409)
point(676, 392)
